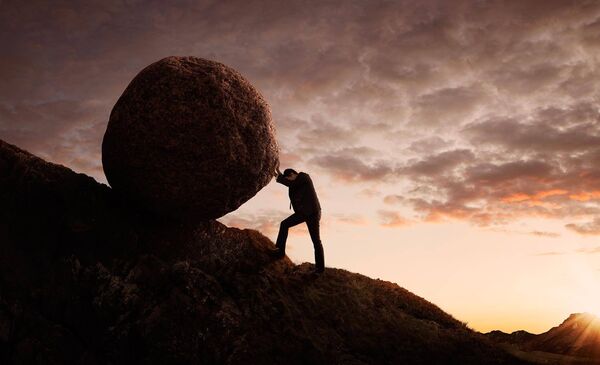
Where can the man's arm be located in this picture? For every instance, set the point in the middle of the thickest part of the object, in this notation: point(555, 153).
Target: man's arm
point(280, 178)
point(301, 179)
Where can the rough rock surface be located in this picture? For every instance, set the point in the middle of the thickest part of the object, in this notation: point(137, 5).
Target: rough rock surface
point(189, 137)
point(86, 279)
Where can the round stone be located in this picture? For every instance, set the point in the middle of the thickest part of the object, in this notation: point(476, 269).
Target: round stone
point(189, 137)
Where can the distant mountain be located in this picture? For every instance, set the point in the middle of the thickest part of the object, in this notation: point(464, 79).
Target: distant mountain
point(517, 337)
point(88, 279)
point(576, 337)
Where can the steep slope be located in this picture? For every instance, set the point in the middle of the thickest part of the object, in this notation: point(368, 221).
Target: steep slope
point(85, 278)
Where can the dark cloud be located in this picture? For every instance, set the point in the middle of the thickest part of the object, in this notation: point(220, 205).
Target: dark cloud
point(488, 193)
point(429, 145)
point(517, 172)
point(438, 164)
point(324, 134)
point(63, 131)
point(352, 169)
point(449, 105)
point(572, 129)
point(479, 110)
point(529, 79)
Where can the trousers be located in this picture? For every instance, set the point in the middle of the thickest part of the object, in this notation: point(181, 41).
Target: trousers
point(312, 222)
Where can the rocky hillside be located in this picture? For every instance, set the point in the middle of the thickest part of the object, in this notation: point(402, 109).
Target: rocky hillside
point(85, 278)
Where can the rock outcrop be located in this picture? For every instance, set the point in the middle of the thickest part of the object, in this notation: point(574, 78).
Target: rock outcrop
point(86, 278)
point(189, 138)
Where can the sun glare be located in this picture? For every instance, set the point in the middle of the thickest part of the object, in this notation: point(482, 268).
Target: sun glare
point(588, 301)
point(592, 308)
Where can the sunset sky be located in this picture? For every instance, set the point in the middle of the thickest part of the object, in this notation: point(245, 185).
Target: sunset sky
point(454, 145)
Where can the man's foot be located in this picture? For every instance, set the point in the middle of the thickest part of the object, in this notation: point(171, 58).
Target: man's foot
point(276, 253)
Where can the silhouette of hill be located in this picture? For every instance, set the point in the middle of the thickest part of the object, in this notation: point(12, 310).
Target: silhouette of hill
point(577, 337)
point(516, 337)
point(85, 278)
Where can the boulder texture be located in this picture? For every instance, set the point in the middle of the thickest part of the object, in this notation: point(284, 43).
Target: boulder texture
point(87, 279)
point(189, 137)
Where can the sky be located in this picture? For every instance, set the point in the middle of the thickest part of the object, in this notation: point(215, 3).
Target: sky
point(454, 145)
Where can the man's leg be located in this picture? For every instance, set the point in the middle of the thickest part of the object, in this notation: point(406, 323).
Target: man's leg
point(290, 221)
point(313, 228)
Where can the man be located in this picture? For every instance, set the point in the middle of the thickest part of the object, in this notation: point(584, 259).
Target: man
point(303, 199)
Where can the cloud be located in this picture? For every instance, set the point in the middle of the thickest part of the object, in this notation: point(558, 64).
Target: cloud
point(550, 253)
point(352, 169)
point(326, 134)
point(392, 219)
point(352, 219)
point(575, 128)
point(369, 193)
point(591, 228)
point(429, 145)
point(437, 164)
point(592, 250)
point(448, 105)
point(470, 110)
point(265, 221)
point(63, 131)
point(582, 251)
point(545, 234)
point(394, 199)
point(487, 193)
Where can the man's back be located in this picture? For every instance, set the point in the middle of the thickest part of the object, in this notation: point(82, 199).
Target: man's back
point(302, 194)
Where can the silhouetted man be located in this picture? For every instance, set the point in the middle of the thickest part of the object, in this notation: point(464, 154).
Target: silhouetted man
point(303, 199)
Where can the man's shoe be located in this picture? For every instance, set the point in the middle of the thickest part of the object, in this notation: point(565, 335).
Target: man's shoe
point(276, 253)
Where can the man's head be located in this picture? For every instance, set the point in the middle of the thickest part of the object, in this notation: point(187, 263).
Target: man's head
point(290, 174)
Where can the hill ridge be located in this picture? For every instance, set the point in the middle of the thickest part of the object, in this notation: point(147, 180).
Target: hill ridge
point(86, 278)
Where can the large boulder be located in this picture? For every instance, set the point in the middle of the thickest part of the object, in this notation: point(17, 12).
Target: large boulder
point(189, 137)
